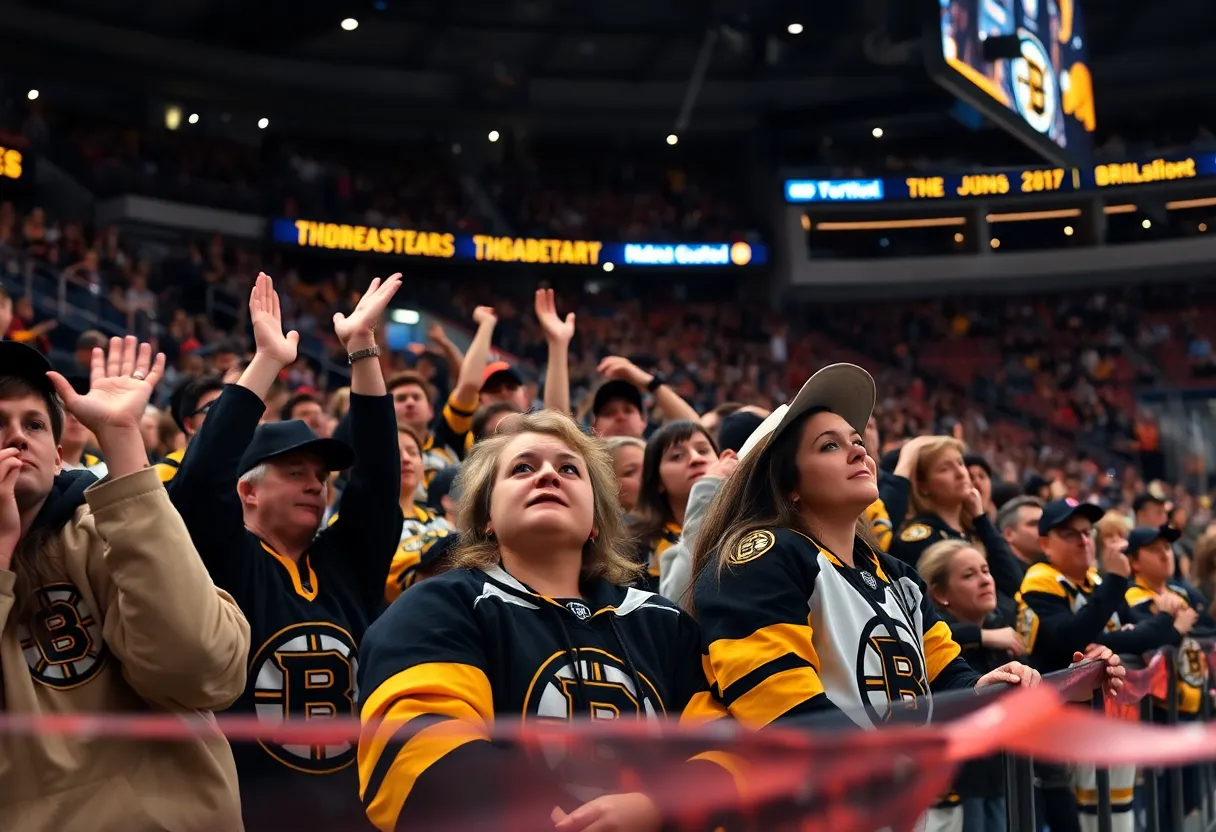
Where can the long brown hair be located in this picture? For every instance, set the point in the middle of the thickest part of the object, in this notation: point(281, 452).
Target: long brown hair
point(653, 510)
point(756, 496)
point(607, 557)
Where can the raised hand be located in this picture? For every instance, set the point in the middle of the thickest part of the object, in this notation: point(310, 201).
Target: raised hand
point(359, 327)
point(120, 384)
point(556, 330)
point(617, 368)
point(267, 319)
point(10, 516)
point(485, 315)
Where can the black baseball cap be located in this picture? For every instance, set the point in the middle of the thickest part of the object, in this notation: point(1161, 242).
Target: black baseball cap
point(979, 461)
point(1058, 512)
point(1142, 536)
point(500, 372)
point(278, 438)
point(441, 485)
point(1145, 499)
point(736, 428)
point(616, 389)
point(27, 364)
point(183, 401)
point(31, 366)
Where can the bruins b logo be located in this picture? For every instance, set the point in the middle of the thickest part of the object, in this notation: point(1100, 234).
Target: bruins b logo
point(1192, 663)
point(307, 671)
point(889, 670)
point(63, 645)
point(607, 687)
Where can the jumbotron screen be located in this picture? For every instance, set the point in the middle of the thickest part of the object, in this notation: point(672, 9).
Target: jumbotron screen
point(1045, 94)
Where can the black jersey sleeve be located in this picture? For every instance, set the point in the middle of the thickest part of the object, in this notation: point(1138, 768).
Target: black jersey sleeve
point(204, 488)
point(367, 528)
point(1050, 628)
point(756, 636)
point(427, 710)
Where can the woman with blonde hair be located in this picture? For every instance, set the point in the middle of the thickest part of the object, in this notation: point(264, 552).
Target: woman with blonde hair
point(535, 620)
point(956, 575)
point(945, 505)
point(627, 455)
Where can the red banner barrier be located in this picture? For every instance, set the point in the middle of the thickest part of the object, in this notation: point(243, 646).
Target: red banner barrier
point(813, 778)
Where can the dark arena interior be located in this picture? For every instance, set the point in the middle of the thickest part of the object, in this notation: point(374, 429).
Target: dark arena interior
point(526, 338)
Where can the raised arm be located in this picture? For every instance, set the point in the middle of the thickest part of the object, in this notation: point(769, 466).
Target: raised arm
point(368, 527)
point(557, 337)
point(182, 643)
point(666, 399)
point(204, 488)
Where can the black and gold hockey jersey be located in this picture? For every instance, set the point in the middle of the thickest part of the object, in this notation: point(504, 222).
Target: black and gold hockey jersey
point(1058, 617)
point(449, 440)
point(461, 650)
point(790, 630)
point(307, 616)
point(167, 467)
point(650, 553)
point(1191, 660)
point(879, 522)
point(421, 530)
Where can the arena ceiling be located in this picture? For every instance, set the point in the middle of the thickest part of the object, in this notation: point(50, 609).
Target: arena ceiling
point(628, 60)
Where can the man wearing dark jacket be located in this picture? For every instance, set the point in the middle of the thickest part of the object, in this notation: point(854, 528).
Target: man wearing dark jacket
point(253, 499)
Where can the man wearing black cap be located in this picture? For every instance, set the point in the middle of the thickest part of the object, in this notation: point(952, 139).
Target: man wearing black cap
point(188, 405)
point(253, 498)
point(1180, 613)
point(1066, 607)
point(617, 408)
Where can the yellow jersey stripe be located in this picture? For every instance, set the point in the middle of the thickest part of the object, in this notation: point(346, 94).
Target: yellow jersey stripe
point(422, 751)
point(775, 695)
point(940, 649)
point(702, 708)
point(462, 682)
point(732, 659)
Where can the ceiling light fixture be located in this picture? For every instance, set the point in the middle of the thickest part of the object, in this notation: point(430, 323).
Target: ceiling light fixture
point(794, 28)
point(350, 24)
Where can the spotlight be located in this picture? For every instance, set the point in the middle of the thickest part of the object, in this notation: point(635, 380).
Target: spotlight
point(794, 28)
point(1068, 231)
point(350, 24)
point(493, 136)
point(1147, 223)
point(958, 236)
point(672, 138)
point(263, 123)
point(994, 242)
point(608, 266)
point(876, 132)
point(193, 118)
point(32, 95)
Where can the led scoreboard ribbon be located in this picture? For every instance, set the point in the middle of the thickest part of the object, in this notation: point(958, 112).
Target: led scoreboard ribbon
point(487, 248)
point(990, 184)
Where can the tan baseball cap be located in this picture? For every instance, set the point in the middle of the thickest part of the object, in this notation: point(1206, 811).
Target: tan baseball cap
point(845, 389)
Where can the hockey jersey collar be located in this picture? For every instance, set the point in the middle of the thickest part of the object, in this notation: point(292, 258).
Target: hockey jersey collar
point(600, 597)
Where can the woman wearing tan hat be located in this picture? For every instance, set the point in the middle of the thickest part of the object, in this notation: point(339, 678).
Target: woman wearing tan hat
point(799, 611)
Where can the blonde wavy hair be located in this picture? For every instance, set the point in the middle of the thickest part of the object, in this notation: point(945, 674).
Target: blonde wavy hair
point(934, 563)
point(607, 557)
point(925, 460)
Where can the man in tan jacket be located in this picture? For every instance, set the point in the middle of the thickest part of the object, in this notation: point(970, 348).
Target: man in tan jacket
point(105, 607)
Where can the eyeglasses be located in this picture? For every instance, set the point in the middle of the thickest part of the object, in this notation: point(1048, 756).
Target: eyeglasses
point(1072, 537)
point(202, 411)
